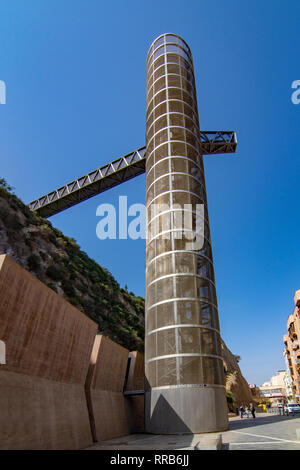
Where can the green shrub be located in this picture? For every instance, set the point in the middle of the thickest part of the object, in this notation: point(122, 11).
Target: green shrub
point(55, 272)
point(68, 288)
point(33, 262)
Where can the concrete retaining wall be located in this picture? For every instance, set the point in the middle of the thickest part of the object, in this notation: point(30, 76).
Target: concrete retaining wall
point(48, 347)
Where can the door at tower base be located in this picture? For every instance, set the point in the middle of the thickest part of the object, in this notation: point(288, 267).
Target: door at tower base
point(186, 410)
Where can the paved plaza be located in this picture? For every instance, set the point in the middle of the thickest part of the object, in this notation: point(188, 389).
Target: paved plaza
point(265, 432)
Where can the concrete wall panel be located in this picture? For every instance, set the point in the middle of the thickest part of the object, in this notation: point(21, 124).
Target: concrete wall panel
point(48, 347)
point(105, 389)
point(41, 414)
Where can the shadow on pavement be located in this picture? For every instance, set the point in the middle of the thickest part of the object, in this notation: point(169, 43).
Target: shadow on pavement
point(240, 423)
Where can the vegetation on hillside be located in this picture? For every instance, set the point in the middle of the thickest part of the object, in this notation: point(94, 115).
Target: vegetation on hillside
point(59, 262)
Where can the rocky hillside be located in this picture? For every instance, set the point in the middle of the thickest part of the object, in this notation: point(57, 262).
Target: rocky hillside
point(236, 386)
point(60, 263)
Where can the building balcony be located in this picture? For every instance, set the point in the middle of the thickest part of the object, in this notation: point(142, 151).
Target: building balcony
point(295, 344)
point(297, 298)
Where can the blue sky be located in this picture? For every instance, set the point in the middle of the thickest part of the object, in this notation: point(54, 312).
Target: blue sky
point(75, 73)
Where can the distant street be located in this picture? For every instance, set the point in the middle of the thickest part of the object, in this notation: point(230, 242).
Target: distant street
point(265, 432)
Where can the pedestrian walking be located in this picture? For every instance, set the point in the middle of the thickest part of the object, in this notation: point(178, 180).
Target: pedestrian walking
point(252, 409)
point(242, 410)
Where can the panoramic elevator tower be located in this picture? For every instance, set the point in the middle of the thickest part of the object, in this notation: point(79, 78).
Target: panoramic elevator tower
point(185, 390)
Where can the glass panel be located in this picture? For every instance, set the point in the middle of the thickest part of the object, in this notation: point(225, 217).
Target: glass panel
point(166, 372)
point(162, 245)
point(212, 371)
point(149, 161)
point(174, 80)
point(174, 94)
point(188, 311)
point(187, 98)
point(159, 42)
point(161, 168)
point(191, 139)
point(151, 319)
point(180, 182)
point(179, 165)
point(160, 123)
point(160, 84)
point(172, 68)
point(208, 342)
point(171, 38)
point(173, 49)
point(159, 72)
point(165, 314)
point(176, 119)
point(159, 61)
point(185, 262)
point(161, 109)
point(189, 340)
point(166, 342)
point(162, 185)
point(150, 372)
point(150, 133)
point(178, 148)
point(161, 96)
point(161, 152)
point(158, 52)
point(173, 58)
point(190, 370)
point(176, 106)
point(177, 133)
point(150, 346)
point(161, 137)
point(187, 86)
point(181, 198)
point(163, 265)
point(185, 286)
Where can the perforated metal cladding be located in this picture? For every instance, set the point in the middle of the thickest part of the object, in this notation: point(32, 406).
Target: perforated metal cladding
point(182, 328)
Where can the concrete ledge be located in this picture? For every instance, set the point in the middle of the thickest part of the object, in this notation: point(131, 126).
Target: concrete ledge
point(210, 443)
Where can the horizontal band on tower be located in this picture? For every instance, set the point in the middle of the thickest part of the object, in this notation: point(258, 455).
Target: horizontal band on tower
point(184, 299)
point(193, 98)
point(171, 173)
point(176, 230)
point(182, 325)
point(169, 356)
point(176, 209)
point(180, 251)
point(166, 276)
point(175, 191)
point(166, 101)
point(167, 387)
point(167, 114)
point(174, 156)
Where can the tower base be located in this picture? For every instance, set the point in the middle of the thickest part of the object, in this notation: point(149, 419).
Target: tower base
point(186, 410)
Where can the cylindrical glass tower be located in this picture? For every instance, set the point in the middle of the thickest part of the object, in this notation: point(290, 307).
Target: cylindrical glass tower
point(184, 370)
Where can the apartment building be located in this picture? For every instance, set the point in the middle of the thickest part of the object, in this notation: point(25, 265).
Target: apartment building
point(292, 349)
point(274, 390)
